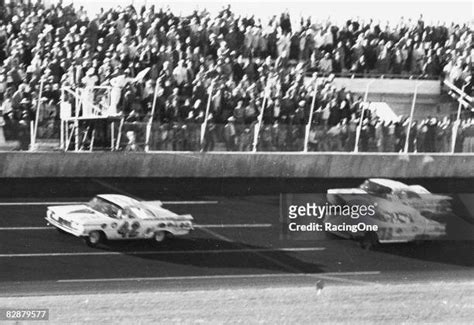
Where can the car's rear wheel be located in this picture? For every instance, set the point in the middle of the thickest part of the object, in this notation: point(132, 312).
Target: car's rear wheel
point(159, 236)
point(94, 238)
point(369, 241)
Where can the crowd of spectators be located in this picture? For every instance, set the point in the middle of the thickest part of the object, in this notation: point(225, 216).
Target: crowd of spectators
point(249, 64)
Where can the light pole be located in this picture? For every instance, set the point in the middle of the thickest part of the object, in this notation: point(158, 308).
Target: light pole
point(308, 126)
point(411, 117)
point(359, 128)
point(206, 116)
point(457, 123)
point(266, 94)
point(150, 121)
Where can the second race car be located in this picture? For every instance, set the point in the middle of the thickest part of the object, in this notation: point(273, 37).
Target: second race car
point(395, 221)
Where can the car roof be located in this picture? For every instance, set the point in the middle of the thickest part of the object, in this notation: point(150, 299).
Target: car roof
point(120, 200)
point(394, 185)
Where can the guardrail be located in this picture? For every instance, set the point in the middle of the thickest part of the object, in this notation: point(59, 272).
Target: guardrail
point(351, 75)
point(464, 101)
point(467, 100)
point(229, 165)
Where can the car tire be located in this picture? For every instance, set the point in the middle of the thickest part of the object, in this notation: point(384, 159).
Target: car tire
point(159, 236)
point(369, 241)
point(62, 232)
point(95, 238)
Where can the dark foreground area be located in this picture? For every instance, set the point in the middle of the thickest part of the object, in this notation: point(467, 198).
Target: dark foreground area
point(238, 241)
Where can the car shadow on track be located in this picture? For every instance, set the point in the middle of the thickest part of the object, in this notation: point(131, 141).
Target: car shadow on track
point(215, 253)
point(441, 251)
point(454, 252)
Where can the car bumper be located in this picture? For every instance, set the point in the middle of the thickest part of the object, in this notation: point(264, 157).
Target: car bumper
point(181, 232)
point(405, 237)
point(70, 230)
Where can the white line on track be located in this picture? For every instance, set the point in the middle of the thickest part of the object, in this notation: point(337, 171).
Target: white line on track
point(25, 228)
point(203, 251)
point(223, 226)
point(239, 225)
point(38, 203)
point(237, 276)
point(216, 235)
point(189, 202)
point(76, 202)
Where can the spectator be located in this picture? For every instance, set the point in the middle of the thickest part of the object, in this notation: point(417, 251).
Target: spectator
point(230, 134)
point(325, 65)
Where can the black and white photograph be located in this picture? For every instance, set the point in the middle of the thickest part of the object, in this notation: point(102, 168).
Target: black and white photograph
point(236, 162)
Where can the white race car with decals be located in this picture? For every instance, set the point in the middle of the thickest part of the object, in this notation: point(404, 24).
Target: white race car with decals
point(430, 205)
point(395, 221)
point(118, 217)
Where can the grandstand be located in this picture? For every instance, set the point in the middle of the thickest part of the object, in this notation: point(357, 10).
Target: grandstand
point(149, 79)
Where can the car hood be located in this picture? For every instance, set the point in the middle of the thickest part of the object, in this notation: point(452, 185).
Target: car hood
point(436, 197)
point(78, 213)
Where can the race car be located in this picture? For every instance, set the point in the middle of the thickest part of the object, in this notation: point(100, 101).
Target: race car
point(118, 217)
point(430, 205)
point(393, 221)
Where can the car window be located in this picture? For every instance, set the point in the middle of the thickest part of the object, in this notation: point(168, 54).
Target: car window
point(402, 195)
point(375, 189)
point(412, 195)
point(100, 205)
point(137, 212)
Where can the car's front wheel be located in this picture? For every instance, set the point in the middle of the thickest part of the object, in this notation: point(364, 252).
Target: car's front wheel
point(369, 241)
point(94, 238)
point(159, 236)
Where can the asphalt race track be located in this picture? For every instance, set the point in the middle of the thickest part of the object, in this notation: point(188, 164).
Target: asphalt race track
point(237, 242)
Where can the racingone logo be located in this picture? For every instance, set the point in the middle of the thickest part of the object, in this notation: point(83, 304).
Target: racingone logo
point(360, 227)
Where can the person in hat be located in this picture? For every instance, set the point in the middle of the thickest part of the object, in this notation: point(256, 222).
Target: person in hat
point(89, 81)
point(230, 134)
point(18, 96)
point(24, 131)
point(245, 143)
point(6, 106)
point(131, 141)
point(118, 82)
point(180, 73)
point(191, 132)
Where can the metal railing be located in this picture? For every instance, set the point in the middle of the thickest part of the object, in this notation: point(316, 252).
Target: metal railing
point(351, 75)
point(465, 101)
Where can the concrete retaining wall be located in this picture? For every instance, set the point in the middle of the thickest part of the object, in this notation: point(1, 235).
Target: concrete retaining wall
point(293, 165)
point(389, 86)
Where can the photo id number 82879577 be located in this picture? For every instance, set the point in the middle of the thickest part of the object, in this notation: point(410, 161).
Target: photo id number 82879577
point(17, 314)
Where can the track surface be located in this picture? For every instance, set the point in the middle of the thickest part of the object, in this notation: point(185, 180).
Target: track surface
point(238, 242)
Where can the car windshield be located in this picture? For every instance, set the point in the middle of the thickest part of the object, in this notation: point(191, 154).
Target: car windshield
point(104, 206)
point(375, 189)
point(137, 212)
point(413, 195)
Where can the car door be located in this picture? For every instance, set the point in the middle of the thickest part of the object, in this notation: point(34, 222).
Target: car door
point(130, 226)
point(413, 200)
